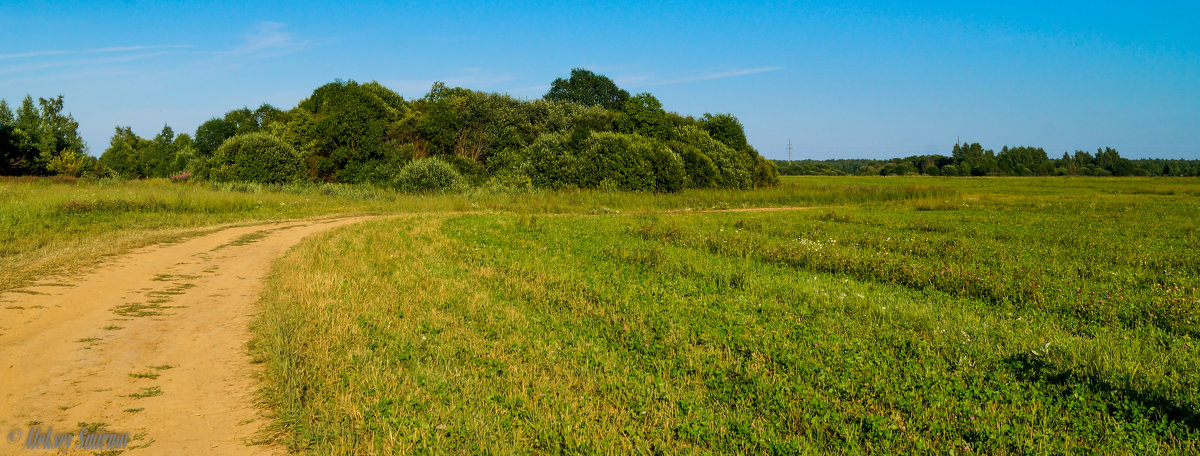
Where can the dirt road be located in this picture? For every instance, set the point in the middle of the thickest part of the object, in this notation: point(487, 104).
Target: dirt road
point(152, 344)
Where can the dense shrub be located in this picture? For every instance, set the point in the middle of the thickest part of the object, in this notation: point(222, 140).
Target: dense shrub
point(429, 175)
point(552, 161)
point(604, 159)
point(560, 117)
point(256, 157)
point(632, 162)
point(699, 170)
point(765, 174)
point(734, 168)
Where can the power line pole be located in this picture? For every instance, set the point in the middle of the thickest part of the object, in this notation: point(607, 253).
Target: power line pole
point(789, 151)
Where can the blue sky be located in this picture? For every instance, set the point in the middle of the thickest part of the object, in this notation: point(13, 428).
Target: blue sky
point(841, 80)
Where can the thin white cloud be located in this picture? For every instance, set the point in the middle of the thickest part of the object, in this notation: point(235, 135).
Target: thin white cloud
point(79, 63)
point(268, 40)
point(93, 51)
point(645, 81)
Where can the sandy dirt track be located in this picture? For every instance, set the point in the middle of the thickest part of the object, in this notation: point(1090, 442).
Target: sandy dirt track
point(152, 343)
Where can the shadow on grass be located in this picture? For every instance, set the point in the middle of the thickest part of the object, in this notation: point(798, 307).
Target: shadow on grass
point(1125, 403)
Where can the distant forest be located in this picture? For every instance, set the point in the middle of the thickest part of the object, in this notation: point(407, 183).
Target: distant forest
point(973, 160)
point(584, 133)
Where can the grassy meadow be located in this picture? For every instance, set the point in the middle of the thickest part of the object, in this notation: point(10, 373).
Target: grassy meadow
point(879, 315)
point(50, 226)
point(893, 315)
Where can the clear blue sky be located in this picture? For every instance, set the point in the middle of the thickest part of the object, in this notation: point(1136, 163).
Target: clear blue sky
point(841, 80)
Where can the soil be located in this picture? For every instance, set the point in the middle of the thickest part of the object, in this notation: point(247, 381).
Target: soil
point(151, 343)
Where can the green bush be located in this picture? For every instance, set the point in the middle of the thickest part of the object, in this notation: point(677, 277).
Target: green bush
point(256, 157)
point(508, 183)
point(429, 175)
point(699, 170)
point(589, 159)
point(765, 174)
point(734, 168)
point(552, 161)
point(669, 175)
point(632, 162)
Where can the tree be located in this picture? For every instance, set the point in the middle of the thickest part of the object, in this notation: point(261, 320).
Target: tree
point(588, 89)
point(27, 130)
point(8, 141)
point(467, 123)
point(37, 135)
point(974, 159)
point(1024, 161)
point(725, 128)
point(214, 131)
point(123, 155)
point(643, 115)
point(210, 135)
point(1109, 159)
point(350, 131)
point(158, 159)
point(6, 114)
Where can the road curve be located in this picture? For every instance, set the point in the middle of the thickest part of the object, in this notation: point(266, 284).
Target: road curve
point(152, 344)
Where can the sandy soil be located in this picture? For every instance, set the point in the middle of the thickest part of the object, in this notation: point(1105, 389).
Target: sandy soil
point(153, 343)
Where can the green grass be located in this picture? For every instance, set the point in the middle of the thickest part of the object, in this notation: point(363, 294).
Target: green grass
point(147, 375)
point(894, 315)
point(1000, 316)
point(143, 393)
point(50, 226)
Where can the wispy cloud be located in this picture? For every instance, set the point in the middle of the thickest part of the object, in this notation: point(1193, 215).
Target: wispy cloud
point(651, 80)
point(116, 49)
point(80, 63)
point(268, 40)
point(265, 40)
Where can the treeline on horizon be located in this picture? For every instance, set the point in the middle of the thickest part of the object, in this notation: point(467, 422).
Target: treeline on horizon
point(973, 160)
point(584, 133)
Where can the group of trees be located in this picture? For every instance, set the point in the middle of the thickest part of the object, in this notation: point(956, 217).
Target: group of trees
point(586, 133)
point(133, 157)
point(973, 160)
point(41, 140)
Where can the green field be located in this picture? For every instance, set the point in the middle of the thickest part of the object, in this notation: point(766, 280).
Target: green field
point(879, 315)
point(994, 316)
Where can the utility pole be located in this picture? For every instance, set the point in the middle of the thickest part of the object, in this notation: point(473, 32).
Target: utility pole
point(789, 151)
